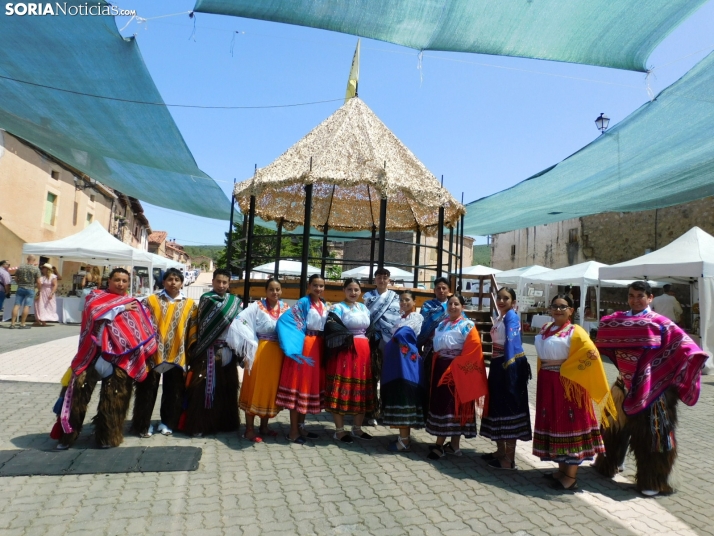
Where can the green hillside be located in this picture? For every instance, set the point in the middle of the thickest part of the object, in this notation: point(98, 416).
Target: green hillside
point(482, 255)
point(206, 251)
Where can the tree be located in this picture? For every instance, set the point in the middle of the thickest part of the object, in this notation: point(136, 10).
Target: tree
point(264, 248)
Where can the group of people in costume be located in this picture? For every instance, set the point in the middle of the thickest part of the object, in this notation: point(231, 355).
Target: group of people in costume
point(380, 358)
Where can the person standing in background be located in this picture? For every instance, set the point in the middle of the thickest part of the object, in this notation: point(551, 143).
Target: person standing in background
point(5, 281)
point(667, 305)
point(28, 277)
point(45, 302)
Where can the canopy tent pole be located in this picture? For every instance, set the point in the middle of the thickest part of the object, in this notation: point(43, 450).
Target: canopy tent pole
point(245, 236)
point(249, 252)
point(597, 299)
point(371, 254)
point(324, 252)
point(278, 247)
point(439, 243)
point(581, 309)
point(417, 253)
point(382, 230)
point(457, 253)
point(451, 251)
point(229, 249)
point(461, 260)
point(306, 237)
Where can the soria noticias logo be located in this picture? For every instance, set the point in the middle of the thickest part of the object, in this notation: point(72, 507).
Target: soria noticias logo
point(62, 8)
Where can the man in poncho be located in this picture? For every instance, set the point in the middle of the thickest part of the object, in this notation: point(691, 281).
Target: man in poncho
point(659, 364)
point(212, 378)
point(174, 316)
point(116, 340)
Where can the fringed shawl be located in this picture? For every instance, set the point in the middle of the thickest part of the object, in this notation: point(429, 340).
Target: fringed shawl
point(433, 312)
point(337, 337)
point(292, 329)
point(466, 378)
point(127, 341)
point(668, 358)
point(242, 336)
point(383, 311)
point(215, 314)
point(513, 351)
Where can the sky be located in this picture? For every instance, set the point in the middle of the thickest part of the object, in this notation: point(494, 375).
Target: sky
point(483, 122)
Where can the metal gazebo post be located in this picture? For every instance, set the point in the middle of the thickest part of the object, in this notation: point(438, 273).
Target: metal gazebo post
point(440, 243)
point(324, 252)
point(382, 230)
point(229, 249)
point(461, 263)
point(451, 251)
point(278, 247)
point(249, 246)
point(417, 254)
point(371, 254)
point(306, 236)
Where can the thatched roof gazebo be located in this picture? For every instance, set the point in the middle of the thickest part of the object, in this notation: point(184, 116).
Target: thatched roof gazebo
point(350, 173)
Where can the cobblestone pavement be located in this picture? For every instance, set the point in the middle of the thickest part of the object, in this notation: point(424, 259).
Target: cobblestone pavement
point(242, 488)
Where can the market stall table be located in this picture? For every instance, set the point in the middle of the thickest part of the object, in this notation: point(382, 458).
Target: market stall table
point(67, 309)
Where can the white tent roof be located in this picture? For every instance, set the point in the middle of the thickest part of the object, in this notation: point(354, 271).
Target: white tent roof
point(513, 277)
point(293, 268)
point(164, 263)
point(586, 273)
point(480, 269)
point(362, 272)
point(689, 256)
point(93, 245)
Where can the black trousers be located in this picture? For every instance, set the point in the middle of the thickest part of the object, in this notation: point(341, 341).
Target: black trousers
point(145, 394)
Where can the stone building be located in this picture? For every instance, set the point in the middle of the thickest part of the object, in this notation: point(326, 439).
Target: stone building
point(396, 254)
point(44, 199)
point(129, 224)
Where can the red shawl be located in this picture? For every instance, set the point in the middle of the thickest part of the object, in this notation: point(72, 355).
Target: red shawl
point(126, 342)
point(667, 357)
point(466, 378)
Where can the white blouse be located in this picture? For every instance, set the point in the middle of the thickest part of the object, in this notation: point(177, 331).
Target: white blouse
point(498, 333)
point(355, 318)
point(450, 336)
point(412, 320)
point(556, 347)
point(316, 321)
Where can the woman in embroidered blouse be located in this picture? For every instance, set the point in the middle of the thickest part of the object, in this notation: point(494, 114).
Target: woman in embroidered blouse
point(458, 381)
point(301, 387)
point(509, 417)
point(571, 381)
point(254, 337)
point(402, 372)
point(348, 373)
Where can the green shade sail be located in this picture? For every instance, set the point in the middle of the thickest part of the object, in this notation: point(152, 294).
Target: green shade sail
point(135, 148)
point(660, 155)
point(619, 34)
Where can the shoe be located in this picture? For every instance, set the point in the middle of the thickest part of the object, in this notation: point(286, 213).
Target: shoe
point(398, 446)
point(306, 434)
point(60, 446)
point(448, 449)
point(11, 327)
point(347, 438)
point(254, 439)
point(299, 440)
point(371, 422)
point(198, 435)
point(550, 476)
point(621, 468)
point(359, 434)
point(557, 484)
point(436, 453)
point(270, 433)
point(24, 327)
point(165, 430)
point(148, 433)
point(496, 464)
point(105, 447)
point(649, 492)
point(488, 456)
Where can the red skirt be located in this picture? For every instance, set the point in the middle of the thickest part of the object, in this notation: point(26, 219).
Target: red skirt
point(349, 389)
point(302, 387)
point(564, 432)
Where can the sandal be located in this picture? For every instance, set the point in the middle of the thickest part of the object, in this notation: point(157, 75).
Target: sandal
point(551, 476)
point(306, 434)
point(398, 445)
point(448, 449)
point(359, 434)
point(488, 456)
point(299, 440)
point(557, 484)
point(496, 464)
point(268, 432)
point(347, 438)
point(255, 439)
point(437, 452)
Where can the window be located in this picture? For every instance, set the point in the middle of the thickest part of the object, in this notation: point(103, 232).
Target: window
point(513, 250)
point(573, 235)
point(90, 218)
point(92, 198)
point(55, 175)
point(50, 209)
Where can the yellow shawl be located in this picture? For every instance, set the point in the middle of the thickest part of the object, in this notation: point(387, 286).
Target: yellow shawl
point(583, 370)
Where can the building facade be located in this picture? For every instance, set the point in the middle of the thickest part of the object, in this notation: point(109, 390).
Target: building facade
point(129, 224)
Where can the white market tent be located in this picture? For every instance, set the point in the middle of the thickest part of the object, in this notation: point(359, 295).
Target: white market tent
point(582, 275)
point(516, 277)
point(362, 272)
point(165, 263)
point(689, 259)
point(93, 245)
point(480, 269)
point(291, 268)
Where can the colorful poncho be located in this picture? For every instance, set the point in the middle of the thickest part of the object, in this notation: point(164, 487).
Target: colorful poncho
point(175, 323)
point(215, 314)
point(126, 342)
point(662, 355)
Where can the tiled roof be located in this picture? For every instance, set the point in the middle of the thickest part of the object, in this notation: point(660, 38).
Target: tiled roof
point(157, 237)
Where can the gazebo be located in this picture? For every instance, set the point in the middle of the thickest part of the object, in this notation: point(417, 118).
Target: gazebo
point(351, 173)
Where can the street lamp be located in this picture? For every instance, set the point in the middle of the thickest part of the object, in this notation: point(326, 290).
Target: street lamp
point(602, 122)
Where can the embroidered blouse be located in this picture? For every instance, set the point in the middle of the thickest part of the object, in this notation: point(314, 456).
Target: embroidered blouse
point(412, 320)
point(315, 320)
point(355, 318)
point(554, 347)
point(449, 336)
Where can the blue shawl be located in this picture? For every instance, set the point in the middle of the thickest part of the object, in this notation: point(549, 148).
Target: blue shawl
point(433, 312)
point(513, 354)
point(292, 328)
point(401, 358)
point(384, 313)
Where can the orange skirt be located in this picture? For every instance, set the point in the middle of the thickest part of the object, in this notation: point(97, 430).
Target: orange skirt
point(302, 387)
point(260, 385)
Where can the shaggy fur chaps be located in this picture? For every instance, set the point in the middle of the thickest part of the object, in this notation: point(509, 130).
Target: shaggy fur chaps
point(114, 398)
point(83, 389)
